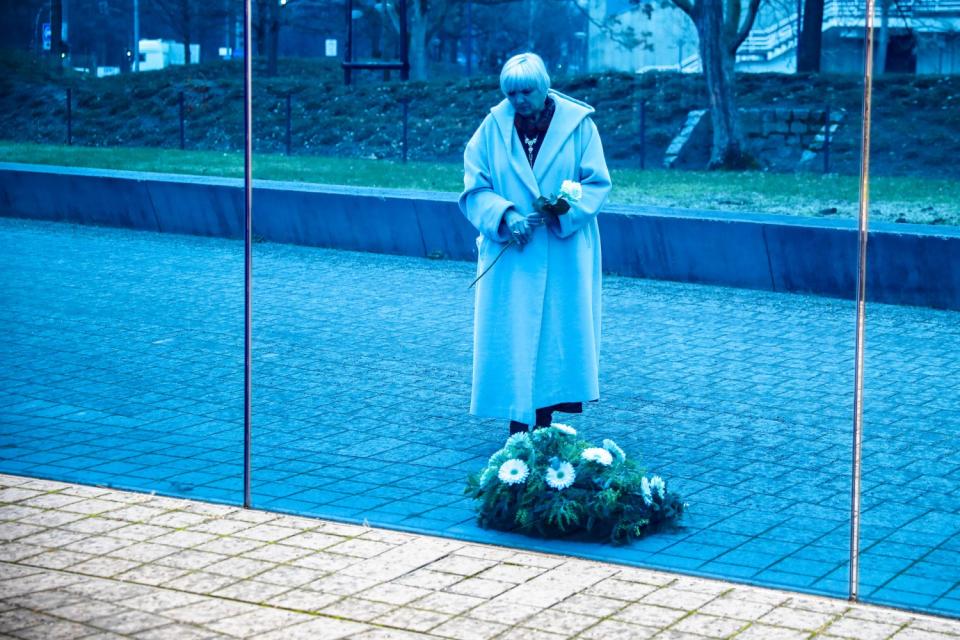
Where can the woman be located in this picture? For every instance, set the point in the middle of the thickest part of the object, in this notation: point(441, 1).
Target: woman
point(537, 312)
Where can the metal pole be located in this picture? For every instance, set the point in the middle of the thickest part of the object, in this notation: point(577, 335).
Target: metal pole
point(136, 35)
point(247, 241)
point(288, 123)
point(69, 117)
point(861, 306)
point(643, 134)
point(348, 46)
point(406, 114)
point(182, 140)
point(404, 44)
point(826, 139)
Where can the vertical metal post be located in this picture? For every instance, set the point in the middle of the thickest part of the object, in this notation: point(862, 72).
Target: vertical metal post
point(182, 139)
point(348, 45)
point(643, 134)
point(404, 44)
point(861, 305)
point(826, 139)
point(69, 117)
point(288, 123)
point(247, 241)
point(136, 35)
point(406, 116)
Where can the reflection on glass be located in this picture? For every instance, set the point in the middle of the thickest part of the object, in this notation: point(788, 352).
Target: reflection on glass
point(911, 406)
point(123, 326)
point(728, 370)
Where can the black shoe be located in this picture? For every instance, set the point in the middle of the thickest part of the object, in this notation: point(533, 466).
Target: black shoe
point(518, 427)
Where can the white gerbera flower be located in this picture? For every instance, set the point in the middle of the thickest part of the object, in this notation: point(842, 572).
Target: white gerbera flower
point(596, 454)
point(513, 471)
point(615, 449)
point(658, 486)
point(561, 476)
point(565, 428)
point(645, 491)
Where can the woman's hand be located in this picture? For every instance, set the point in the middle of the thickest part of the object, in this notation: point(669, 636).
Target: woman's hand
point(521, 227)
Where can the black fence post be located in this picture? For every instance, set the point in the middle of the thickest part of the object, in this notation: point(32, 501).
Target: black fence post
point(826, 139)
point(182, 140)
point(288, 123)
point(643, 134)
point(69, 117)
point(406, 114)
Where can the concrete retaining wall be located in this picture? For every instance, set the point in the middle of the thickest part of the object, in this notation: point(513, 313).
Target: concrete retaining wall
point(908, 264)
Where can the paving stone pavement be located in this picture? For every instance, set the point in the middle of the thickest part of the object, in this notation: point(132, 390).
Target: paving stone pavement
point(95, 563)
point(121, 365)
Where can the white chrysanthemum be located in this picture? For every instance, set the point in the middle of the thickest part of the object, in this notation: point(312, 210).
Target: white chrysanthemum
point(571, 191)
point(561, 476)
point(521, 438)
point(489, 473)
point(513, 471)
point(645, 490)
point(596, 454)
point(615, 449)
point(496, 458)
point(658, 486)
point(565, 428)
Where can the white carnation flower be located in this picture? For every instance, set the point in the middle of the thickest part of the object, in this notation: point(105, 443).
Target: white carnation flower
point(658, 486)
point(565, 428)
point(596, 454)
point(513, 471)
point(561, 476)
point(571, 191)
point(645, 491)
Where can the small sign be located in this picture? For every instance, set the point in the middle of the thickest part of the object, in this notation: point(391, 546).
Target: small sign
point(47, 33)
point(331, 48)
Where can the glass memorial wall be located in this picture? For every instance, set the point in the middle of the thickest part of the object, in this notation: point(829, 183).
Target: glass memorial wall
point(728, 355)
point(910, 533)
point(728, 345)
point(122, 291)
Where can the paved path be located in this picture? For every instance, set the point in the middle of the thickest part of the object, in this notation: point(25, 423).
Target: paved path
point(121, 365)
point(99, 564)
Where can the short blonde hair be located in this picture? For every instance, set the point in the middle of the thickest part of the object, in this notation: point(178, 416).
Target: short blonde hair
point(523, 71)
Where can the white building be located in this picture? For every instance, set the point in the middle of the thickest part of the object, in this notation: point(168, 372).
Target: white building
point(158, 54)
point(924, 37)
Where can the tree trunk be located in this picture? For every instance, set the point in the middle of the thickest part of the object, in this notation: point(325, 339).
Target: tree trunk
point(717, 61)
point(809, 41)
point(418, 40)
point(883, 41)
point(187, 23)
point(56, 33)
point(273, 36)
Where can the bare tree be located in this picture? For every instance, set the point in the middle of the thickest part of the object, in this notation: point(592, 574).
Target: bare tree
point(722, 27)
point(187, 19)
point(811, 36)
point(56, 33)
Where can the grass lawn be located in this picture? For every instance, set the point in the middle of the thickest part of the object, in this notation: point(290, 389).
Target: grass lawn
point(903, 199)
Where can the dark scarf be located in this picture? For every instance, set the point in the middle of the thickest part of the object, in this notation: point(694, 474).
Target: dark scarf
point(534, 128)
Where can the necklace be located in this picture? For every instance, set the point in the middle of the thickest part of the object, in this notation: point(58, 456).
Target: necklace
point(530, 142)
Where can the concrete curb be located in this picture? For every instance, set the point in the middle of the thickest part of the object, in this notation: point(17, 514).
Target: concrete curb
point(908, 264)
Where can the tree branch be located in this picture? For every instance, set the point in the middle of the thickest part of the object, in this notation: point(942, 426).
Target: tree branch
point(747, 26)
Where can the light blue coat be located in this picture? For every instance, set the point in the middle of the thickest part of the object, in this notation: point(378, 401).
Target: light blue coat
point(537, 312)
